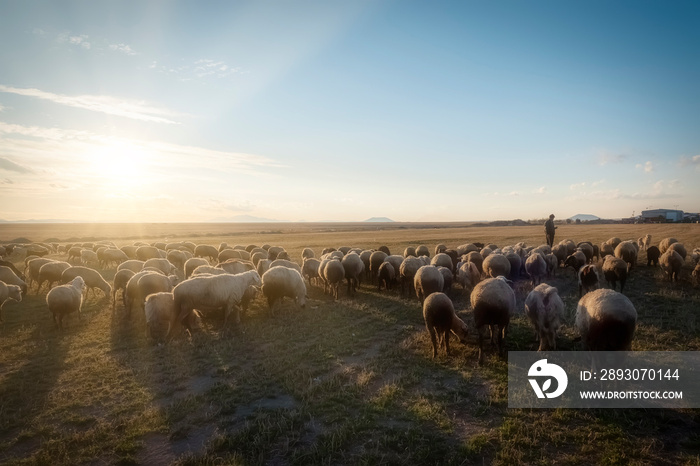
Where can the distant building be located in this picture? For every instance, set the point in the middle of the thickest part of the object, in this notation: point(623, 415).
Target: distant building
point(662, 215)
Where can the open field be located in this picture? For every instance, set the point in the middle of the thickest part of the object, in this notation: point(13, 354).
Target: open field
point(346, 382)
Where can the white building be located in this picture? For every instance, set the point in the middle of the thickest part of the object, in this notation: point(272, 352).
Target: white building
point(668, 215)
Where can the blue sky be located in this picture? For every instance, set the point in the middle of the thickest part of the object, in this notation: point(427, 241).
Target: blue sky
point(340, 111)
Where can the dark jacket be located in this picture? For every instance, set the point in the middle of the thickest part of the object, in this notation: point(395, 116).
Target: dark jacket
point(549, 227)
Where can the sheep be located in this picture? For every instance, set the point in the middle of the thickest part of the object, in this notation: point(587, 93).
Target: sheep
point(365, 255)
point(386, 276)
point(467, 248)
point(671, 263)
point(665, 243)
point(409, 251)
point(274, 252)
point(646, 242)
point(307, 253)
point(178, 258)
point(536, 268)
point(142, 284)
point(88, 257)
point(384, 249)
point(680, 249)
point(407, 272)
point(627, 251)
point(545, 309)
point(485, 252)
point(395, 260)
point(569, 245)
point(310, 268)
point(7, 292)
point(440, 248)
point(51, 272)
point(192, 264)
point(552, 264)
point(12, 267)
point(10, 278)
point(353, 271)
point(606, 321)
point(427, 280)
point(161, 264)
point(468, 276)
point(147, 252)
point(695, 256)
point(476, 258)
point(263, 266)
point(236, 266)
point(587, 279)
point(32, 270)
point(134, 265)
point(493, 301)
point(159, 309)
point(587, 250)
point(92, 279)
point(575, 260)
point(448, 278)
point(375, 260)
point(614, 270)
point(207, 270)
point(286, 263)
point(441, 319)
point(442, 260)
point(37, 250)
point(653, 255)
point(121, 278)
point(422, 250)
point(614, 241)
point(130, 251)
point(257, 256)
point(209, 292)
point(109, 255)
point(227, 254)
point(496, 265)
point(333, 273)
point(65, 299)
point(606, 250)
point(206, 250)
point(280, 282)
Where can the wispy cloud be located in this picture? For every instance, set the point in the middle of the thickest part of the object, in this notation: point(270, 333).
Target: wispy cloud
point(577, 186)
point(693, 161)
point(9, 165)
point(606, 157)
point(200, 69)
point(80, 40)
point(648, 167)
point(540, 190)
point(137, 110)
point(122, 48)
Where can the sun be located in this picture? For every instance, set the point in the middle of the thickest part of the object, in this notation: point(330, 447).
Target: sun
point(120, 165)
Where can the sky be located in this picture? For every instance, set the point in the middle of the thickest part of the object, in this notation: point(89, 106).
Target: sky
point(173, 111)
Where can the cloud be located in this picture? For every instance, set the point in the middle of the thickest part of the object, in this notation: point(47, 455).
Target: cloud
point(122, 48)
point(577, 186)
point(9, 165)
point(606, 158)
point(540, 190)
point(514, 193)
point(648, 167)
point(77, 40)
point(693, 161)
point(137, 110)
point(200, 69)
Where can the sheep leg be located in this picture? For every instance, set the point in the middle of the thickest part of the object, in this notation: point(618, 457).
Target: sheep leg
point(446, 339)
point(433, 339)
point(480, 331)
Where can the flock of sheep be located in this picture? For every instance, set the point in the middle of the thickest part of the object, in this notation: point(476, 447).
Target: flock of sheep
point(172, 284)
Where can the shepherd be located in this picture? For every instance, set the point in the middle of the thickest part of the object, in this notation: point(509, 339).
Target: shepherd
point(549, 230)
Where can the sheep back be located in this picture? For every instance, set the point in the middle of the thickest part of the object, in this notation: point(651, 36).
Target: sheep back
point(606, 321)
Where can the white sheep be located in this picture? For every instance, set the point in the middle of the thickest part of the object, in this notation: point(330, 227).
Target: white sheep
point(8, 292)
point(121, 278)
point(211, 292)
point(144, 283)
point(407, 272)
point(665, 243)
point(148, 252)
point(680, 249)
point(10, 278)
point(51, 272)
point(468, 275)
point(65, 299)
point(88, 257)
point(161, 264)
point(280, 282)
point(536, 268)
point(285, 263)
point(606, 321)
point(386, 276)
point(545, 309)
point(440, 319)
point(111, 255)
point(333, 273)
point(310, 269)
point(91, 279)
point(354, 269)
point(134, 265)
point(159, 309)
point(442, 260)
point(192, 264)
point(496, 265)
point(671, 263)
point(31, 270)
point(426, 281)
point(236, 266)
point(493, 301)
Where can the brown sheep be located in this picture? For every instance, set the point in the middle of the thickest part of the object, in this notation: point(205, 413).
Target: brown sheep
point(493, 301)
point(441, 319)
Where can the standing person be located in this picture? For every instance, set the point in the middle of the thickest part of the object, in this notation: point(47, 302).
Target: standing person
point(549, 230)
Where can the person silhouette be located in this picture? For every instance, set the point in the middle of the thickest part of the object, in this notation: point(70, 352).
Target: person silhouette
point(549, 230)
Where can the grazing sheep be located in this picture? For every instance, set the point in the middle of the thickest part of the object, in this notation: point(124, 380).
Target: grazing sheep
point(384, 249)
point(485, 252)
point(606, 321)
point(407, 272)
point(440, 248)
point(228, 254)
point(32, 270)
point(448, 278)
point(88, 257)
point(212, 292)
point(365, 255)
point(671, 263)
point(274, 252)
point(375, 260)
point(493, 301)
point(12, 267)
point(496, 265)
point(515, 264)
point(615, 270)
point(143, 284)
point(192, 264)
point(51, 273)
point(130, 251)
point(159, 309)
point(307, 253)
point(206, 250)
point(468, 276)
point(178, 259)
point(395, 260)
point(280, 282)
point(653, 255)
point(354, 268)
point(134, 265)
point(545, 309)
point(161, 264)
point(627, 251)
point(108, 256)
point(121, 278)
point(147, 252)
point(409, 251)
point(422, 250)
point(310, 268)
point(333, 273)
point(442, 260)
point(536, 268)
point(467, 248)
point(441, 319)
point(10, 278)
point(386, 276)
point(65, 299)
point(587, 279)
point(569, 245)
point(552, 264)
point(236, 266)
point(575, 260)
point(263, 266)
point(665, 243)
point(426, 281)
point(680, 249)
point(91, 278)
point(476, 258)
point(614, 241)
point(8, 292)
point(606, 250)
point(587, 249)
point(286, 263)
point(257, 256)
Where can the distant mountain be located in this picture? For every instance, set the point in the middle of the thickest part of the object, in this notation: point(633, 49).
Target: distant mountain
point(379, 220)
point(584, 217)
point(244, 219)
point(43, 220)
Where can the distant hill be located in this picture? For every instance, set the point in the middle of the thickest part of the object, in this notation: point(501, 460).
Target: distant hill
point(584, 217)
point(244, 219)
point(379, 220)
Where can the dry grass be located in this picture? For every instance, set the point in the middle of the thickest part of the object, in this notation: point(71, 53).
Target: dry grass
point(346, 382)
